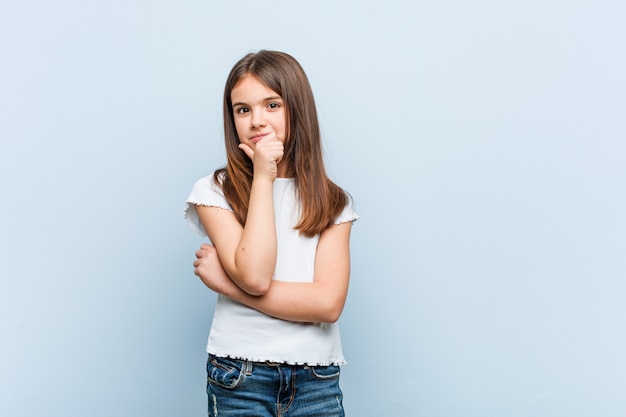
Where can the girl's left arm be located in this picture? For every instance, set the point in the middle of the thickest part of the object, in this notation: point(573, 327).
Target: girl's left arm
point(319, 301)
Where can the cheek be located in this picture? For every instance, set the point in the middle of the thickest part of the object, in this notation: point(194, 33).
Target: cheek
point(239, 128)
point(280, 124)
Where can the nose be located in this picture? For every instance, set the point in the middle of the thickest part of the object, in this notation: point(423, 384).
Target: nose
point(257, 119)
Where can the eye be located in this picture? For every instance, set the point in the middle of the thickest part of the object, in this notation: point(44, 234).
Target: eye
point(273, 105)
point(242, 110)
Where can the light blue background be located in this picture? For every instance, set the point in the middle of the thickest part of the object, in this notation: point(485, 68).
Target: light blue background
point(484, 144)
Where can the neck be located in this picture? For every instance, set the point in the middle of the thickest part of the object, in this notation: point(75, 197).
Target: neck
point(283, 170)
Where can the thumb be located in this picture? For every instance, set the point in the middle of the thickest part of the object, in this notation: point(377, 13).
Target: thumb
point(248, 150)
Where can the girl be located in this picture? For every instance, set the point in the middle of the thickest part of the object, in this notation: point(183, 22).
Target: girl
point(280, 257)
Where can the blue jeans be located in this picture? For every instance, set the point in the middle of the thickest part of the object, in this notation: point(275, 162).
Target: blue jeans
point(259, 389)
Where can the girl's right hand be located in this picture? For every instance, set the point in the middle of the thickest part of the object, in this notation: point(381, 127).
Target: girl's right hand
point(209, 269)
point(266, 155)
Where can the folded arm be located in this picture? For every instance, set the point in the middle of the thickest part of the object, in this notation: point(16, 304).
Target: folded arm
point(319, 301)
point(248, 254)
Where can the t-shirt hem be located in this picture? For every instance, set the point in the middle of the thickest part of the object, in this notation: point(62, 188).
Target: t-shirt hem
point(338, 362)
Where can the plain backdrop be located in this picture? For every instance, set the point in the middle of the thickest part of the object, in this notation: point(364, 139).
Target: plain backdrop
point(483, 143)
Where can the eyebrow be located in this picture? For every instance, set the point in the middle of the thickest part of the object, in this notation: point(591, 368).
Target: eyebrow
point(240, 103)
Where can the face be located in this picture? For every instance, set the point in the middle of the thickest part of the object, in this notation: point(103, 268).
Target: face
point(258, 112)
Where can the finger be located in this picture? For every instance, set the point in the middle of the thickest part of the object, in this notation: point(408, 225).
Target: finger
point(248, 150)
point(280, 156)
point(273, 150)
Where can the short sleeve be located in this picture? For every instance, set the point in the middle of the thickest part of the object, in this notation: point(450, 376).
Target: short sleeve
point(348, 214)
point(203, 193)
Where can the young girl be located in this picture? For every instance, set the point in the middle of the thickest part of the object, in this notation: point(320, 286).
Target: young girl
point(280, 257)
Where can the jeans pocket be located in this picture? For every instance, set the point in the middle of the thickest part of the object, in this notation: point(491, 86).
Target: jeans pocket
point(325, 373)
point(224, 372)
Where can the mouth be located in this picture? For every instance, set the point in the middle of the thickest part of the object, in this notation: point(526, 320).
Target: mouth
point(254, 139)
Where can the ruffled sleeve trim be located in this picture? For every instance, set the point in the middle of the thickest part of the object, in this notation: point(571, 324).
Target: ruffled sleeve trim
point(348, 215)
point(204, 193)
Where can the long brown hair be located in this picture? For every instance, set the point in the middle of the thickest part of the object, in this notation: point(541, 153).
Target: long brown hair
point(321, 200)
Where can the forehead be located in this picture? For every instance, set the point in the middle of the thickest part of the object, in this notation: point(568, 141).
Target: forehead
point(250, 88)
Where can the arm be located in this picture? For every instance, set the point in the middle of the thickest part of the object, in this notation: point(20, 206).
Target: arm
point(319, 301)
point(248, 253)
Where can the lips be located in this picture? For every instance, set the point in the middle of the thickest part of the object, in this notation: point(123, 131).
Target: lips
point(254, 139)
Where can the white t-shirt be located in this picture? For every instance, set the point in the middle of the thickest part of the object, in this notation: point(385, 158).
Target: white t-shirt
point(241, 332)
